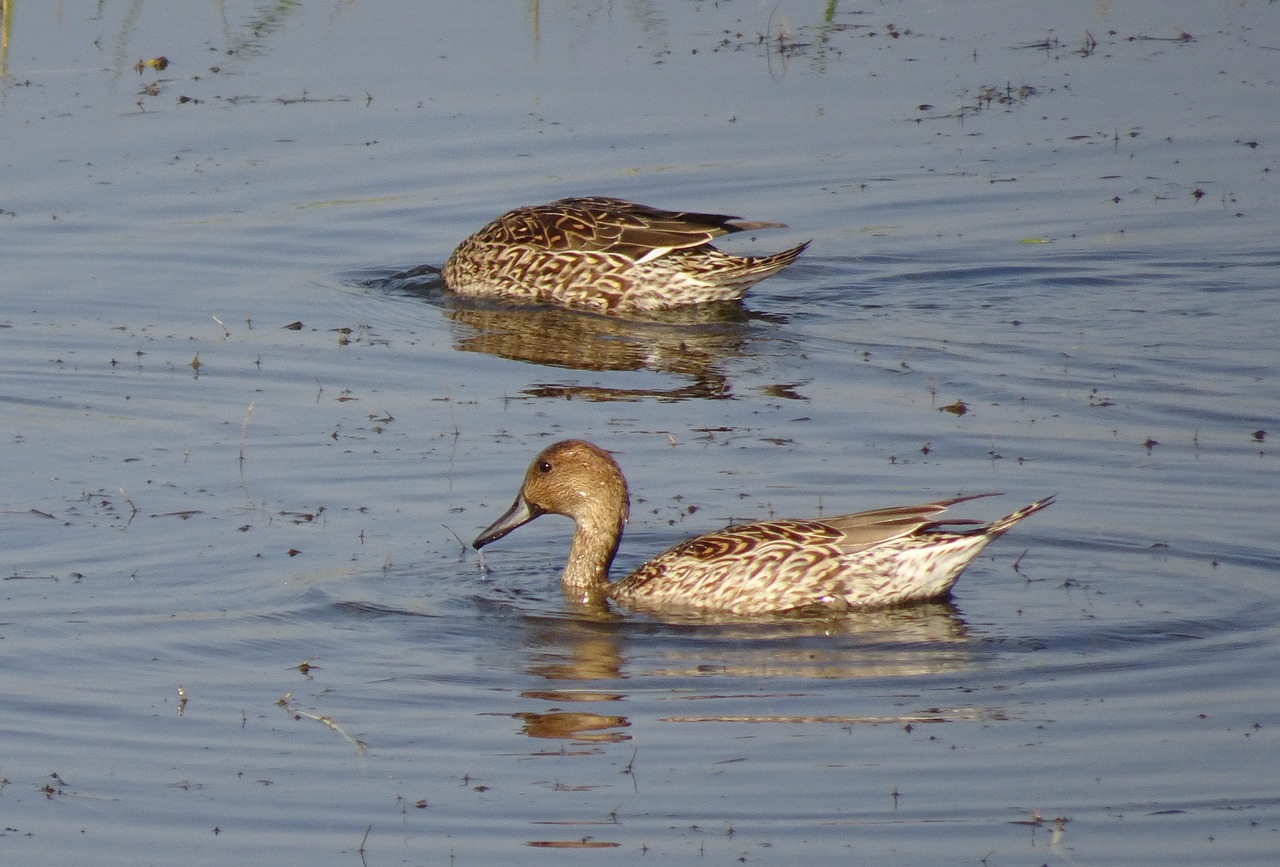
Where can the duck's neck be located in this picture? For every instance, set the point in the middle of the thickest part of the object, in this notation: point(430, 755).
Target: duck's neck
point(595, 541)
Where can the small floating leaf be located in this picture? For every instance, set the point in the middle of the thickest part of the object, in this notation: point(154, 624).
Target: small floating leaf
point(157, 63)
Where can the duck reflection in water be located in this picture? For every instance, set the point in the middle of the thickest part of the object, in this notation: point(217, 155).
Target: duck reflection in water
point(587, 658)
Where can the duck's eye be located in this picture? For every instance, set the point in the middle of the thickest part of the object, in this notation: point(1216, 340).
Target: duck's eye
point(544, 466)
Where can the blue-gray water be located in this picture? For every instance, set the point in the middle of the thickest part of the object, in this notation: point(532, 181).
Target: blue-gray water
point(1064, 218)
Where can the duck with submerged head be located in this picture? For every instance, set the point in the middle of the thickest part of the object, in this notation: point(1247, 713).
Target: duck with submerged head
point(610, 256)
point(866, 560)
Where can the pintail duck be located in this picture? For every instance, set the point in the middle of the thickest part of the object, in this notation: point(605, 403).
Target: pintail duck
point(608, 255)
point(866, 560)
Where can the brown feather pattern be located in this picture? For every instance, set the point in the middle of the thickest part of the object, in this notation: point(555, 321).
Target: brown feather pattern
point(859, 561)
point(608, 255)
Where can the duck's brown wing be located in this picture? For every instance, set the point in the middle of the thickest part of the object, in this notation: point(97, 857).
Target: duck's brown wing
point(863, 530)
point(639, 232)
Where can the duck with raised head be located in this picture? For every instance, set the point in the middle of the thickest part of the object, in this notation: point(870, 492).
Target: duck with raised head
point(866, 560)
point(608, 255)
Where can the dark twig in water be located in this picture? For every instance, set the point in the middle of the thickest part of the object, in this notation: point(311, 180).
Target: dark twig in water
point(461, 543)
point(132, 506)
point(630, 771)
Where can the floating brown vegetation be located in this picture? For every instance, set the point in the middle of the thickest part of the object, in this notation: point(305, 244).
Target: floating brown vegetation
point(985, 98)
point(1089, 45)
point(1036, 821)
point(306, 97)
point(49, 789)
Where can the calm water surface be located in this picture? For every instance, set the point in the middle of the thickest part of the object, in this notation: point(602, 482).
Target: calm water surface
point(239, 621)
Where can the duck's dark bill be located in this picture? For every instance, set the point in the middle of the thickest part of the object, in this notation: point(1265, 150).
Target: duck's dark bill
point(518, 515)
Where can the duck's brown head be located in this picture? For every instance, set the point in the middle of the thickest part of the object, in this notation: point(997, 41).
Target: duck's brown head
point(573, 478)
